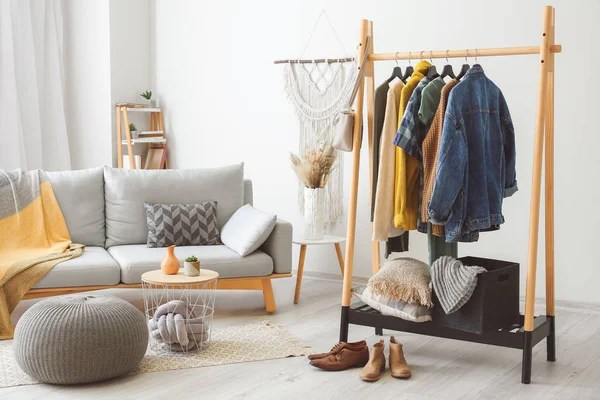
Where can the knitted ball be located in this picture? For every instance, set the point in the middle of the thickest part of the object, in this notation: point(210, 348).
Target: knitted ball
point(80, 339)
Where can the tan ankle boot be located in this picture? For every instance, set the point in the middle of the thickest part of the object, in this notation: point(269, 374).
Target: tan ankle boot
point(398, 366)
point(376, 364)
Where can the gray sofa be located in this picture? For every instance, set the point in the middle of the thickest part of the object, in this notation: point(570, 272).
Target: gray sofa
point(103, 209)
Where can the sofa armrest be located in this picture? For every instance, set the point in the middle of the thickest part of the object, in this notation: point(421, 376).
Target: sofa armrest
point(279, 247)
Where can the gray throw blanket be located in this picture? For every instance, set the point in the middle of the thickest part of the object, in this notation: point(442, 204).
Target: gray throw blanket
point(453, 282)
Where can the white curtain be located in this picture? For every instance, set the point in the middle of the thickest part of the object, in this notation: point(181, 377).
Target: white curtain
point(33, 129)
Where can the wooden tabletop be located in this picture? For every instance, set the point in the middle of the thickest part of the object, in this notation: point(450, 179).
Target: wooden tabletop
point(327, 239)
point(158, 277)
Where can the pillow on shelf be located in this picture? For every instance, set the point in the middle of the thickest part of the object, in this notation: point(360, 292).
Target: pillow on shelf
point(182, 224)
point(403, 279)
point(395, 308)
point(247, 229)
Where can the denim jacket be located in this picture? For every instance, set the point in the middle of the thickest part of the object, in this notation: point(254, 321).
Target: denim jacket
point(476, 161)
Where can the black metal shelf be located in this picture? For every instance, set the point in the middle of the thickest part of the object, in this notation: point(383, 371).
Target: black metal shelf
point(513, 336)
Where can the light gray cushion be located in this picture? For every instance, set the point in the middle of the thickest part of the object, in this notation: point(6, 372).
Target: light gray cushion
point(248, 195)
point(80, 195)
point(136, 259)
point(395, 308)
point(182, 224)
point(95, 267)
point(279, 247)
point(127, 190)
point(247, 229)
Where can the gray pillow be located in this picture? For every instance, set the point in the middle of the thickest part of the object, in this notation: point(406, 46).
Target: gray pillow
point(395, 308)
point(182, 224)
point(247, 229)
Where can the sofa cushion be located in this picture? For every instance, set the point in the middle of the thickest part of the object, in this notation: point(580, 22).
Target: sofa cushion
point(136, 259)
point(95, 267)
point(247, 229)
point(80, 195)
point(127, 190)
point(182, 224)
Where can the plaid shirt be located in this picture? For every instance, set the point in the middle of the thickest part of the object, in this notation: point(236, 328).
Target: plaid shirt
point(410, 136)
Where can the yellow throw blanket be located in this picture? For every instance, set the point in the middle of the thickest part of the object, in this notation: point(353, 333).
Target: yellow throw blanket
point(33, 238)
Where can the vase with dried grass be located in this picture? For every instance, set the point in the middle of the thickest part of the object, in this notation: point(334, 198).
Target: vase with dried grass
point(313, 169)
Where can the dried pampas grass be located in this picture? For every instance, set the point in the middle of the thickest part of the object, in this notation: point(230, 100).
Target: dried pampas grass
point(313, 169)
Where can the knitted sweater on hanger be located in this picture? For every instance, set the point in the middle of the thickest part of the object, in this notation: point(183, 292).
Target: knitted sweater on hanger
point(405, 214)
point(431, 147)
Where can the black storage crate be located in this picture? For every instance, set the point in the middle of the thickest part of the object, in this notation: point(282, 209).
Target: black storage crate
point(494, 303)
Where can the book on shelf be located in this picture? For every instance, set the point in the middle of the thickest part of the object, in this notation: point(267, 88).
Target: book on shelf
point(132, 105)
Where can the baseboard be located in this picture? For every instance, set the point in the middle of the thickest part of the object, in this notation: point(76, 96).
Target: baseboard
point(579, 306)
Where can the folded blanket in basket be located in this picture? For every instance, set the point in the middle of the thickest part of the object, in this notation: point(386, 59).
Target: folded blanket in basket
point(453, 282)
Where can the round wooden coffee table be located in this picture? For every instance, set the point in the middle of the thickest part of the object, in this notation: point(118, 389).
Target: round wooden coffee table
point(179, 309)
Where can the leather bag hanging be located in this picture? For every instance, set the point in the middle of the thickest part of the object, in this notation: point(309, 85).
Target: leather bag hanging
point(344, 124)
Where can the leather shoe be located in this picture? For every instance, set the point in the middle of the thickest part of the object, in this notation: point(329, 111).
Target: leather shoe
point(345, 358)
point(337, 348)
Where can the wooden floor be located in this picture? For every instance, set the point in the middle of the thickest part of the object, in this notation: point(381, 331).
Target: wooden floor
point(442, 369)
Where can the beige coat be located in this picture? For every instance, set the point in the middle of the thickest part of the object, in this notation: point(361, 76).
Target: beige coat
point(383, 217)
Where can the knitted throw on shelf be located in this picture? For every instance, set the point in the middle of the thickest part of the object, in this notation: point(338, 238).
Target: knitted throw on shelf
point(453, 282)
point(318, 91)
point(33, 238)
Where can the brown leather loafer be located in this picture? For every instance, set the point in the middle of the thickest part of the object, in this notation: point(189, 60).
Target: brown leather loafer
point(345, 358)
point(338, 347)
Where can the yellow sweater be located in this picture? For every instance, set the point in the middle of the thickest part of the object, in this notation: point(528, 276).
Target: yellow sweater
point(406, 205)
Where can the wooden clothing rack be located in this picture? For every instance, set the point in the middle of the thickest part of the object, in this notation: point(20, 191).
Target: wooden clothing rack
point(532, 329)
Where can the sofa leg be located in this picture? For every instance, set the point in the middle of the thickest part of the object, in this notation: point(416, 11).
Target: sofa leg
point(268, 295)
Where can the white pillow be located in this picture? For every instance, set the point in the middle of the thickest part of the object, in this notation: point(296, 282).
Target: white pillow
point(247, 229)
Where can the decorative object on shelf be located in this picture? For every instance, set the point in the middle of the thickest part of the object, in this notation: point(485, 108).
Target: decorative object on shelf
point(318, 91)
point(191, 266)
point(170, 264)
point(313, 170)
point(134, 132)
point(78, 339)
point(148, 96)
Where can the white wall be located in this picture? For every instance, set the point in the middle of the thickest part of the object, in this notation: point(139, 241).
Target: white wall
point(130, 60)
point(225, 103)
point(87, 82)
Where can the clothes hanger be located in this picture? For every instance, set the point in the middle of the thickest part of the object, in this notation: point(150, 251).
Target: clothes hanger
point(465, 67)
point(397, 71)
point(408, 71)
point(447, 70)
point(432, 72)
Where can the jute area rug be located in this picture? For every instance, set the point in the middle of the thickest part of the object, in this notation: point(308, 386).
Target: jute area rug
point(231, 345)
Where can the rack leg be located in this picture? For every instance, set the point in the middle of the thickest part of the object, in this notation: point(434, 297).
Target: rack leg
point(527, 354)
point(551, 341)
point(344, 324)
point(378, 331)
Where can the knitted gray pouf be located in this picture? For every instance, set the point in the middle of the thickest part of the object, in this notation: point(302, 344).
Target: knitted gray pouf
point(80, 339)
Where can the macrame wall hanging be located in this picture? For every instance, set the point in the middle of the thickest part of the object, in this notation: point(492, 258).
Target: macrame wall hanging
point(318, 90)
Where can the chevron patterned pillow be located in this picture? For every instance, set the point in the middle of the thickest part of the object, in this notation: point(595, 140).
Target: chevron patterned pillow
point(182, 224)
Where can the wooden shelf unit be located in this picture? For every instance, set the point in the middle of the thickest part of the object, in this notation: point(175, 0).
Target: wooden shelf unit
point(156, 127)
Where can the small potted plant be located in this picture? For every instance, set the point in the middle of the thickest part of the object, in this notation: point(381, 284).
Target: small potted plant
point(191, 266)
point(148, 96)
point(133, 130)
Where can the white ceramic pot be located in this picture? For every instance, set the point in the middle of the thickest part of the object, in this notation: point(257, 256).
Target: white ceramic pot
point(191, 268)
point(314, 213)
